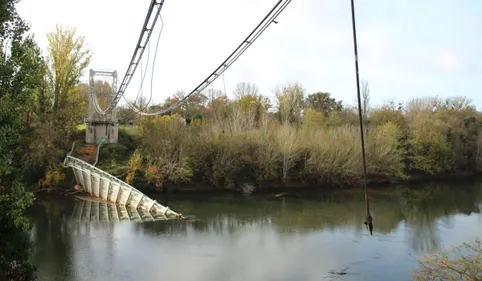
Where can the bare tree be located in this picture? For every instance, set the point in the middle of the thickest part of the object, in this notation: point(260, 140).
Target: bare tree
point(245, 88)
point(366, 98)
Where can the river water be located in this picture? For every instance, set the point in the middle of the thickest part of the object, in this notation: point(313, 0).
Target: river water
point(306, 236)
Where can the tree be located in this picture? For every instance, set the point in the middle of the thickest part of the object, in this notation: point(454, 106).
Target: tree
point(61, 103)
point(68, 58)
point(20, 73)
point(217, 105)
point(194, 106)
point(323, 102)
point(245, 88)
point(15, 245)
point(290, 100)
point(21, 70)
point(125, 115)
point(365, 98)
point(8, 15)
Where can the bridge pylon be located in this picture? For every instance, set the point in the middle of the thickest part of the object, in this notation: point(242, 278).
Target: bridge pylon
point(101, 127)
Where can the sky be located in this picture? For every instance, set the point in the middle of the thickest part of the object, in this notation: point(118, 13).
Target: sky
point(407, 48)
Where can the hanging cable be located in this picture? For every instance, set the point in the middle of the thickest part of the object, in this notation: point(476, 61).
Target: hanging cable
point(368, 219)
point(154, 61)
point(143, 75)
point(139, 93)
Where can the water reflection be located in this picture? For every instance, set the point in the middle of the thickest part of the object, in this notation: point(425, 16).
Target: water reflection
point(94, 211)
point(307, 236)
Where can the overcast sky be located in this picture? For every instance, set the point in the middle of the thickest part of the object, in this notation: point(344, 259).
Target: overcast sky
point(407, 48)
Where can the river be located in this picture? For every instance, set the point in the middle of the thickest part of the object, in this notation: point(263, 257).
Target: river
point(306, 236)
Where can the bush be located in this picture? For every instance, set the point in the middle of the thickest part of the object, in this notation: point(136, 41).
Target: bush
point(463, 263)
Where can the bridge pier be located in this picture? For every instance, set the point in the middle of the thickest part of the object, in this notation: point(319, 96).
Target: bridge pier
point(101, 131)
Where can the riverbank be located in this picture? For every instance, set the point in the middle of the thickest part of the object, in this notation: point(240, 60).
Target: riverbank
point(127, 160)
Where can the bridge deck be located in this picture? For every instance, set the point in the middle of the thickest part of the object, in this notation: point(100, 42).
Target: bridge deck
point(111, 189)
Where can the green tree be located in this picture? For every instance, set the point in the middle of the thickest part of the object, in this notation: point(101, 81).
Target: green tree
point(61, 102)
point(323, 102)
point(67, 59)
point(21, 70)
point(20, 73)
point(15, 245)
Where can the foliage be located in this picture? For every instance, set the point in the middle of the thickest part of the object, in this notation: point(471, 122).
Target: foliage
point(240, 140)
point(20, 73)
point(167, 154)
point(324, 103)
point(335, 156)
point(68, 58)
point(125, 115)
point(443, 135)
point(479, 153)
point(135, 164)
point(61, 103)
point(53, 177)
point(461, 263)
point(10, 127)
point(15, 245)
point(290, 100)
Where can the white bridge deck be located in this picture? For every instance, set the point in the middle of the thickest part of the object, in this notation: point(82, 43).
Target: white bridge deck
point(111, 189)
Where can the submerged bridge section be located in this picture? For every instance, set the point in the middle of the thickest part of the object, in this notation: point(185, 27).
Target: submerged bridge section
point(111, 189)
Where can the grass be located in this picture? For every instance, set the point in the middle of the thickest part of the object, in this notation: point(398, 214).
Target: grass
point(130, 130)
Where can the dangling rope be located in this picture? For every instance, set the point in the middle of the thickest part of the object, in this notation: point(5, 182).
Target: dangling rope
point(368, 219)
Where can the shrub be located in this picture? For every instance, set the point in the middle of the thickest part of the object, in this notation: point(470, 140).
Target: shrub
point(462, 263)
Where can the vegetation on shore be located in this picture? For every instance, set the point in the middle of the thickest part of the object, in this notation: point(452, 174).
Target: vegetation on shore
point(41, 102)
point(246, 142)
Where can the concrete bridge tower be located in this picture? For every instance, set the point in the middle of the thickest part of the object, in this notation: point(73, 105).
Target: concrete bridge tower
point(101, 128)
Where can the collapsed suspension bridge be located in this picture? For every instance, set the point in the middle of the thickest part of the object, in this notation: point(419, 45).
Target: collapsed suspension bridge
point(101, 123)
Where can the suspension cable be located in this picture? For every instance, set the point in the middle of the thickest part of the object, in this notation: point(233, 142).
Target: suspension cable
point(368, 220)
point(144, 38)
point(260, 28)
